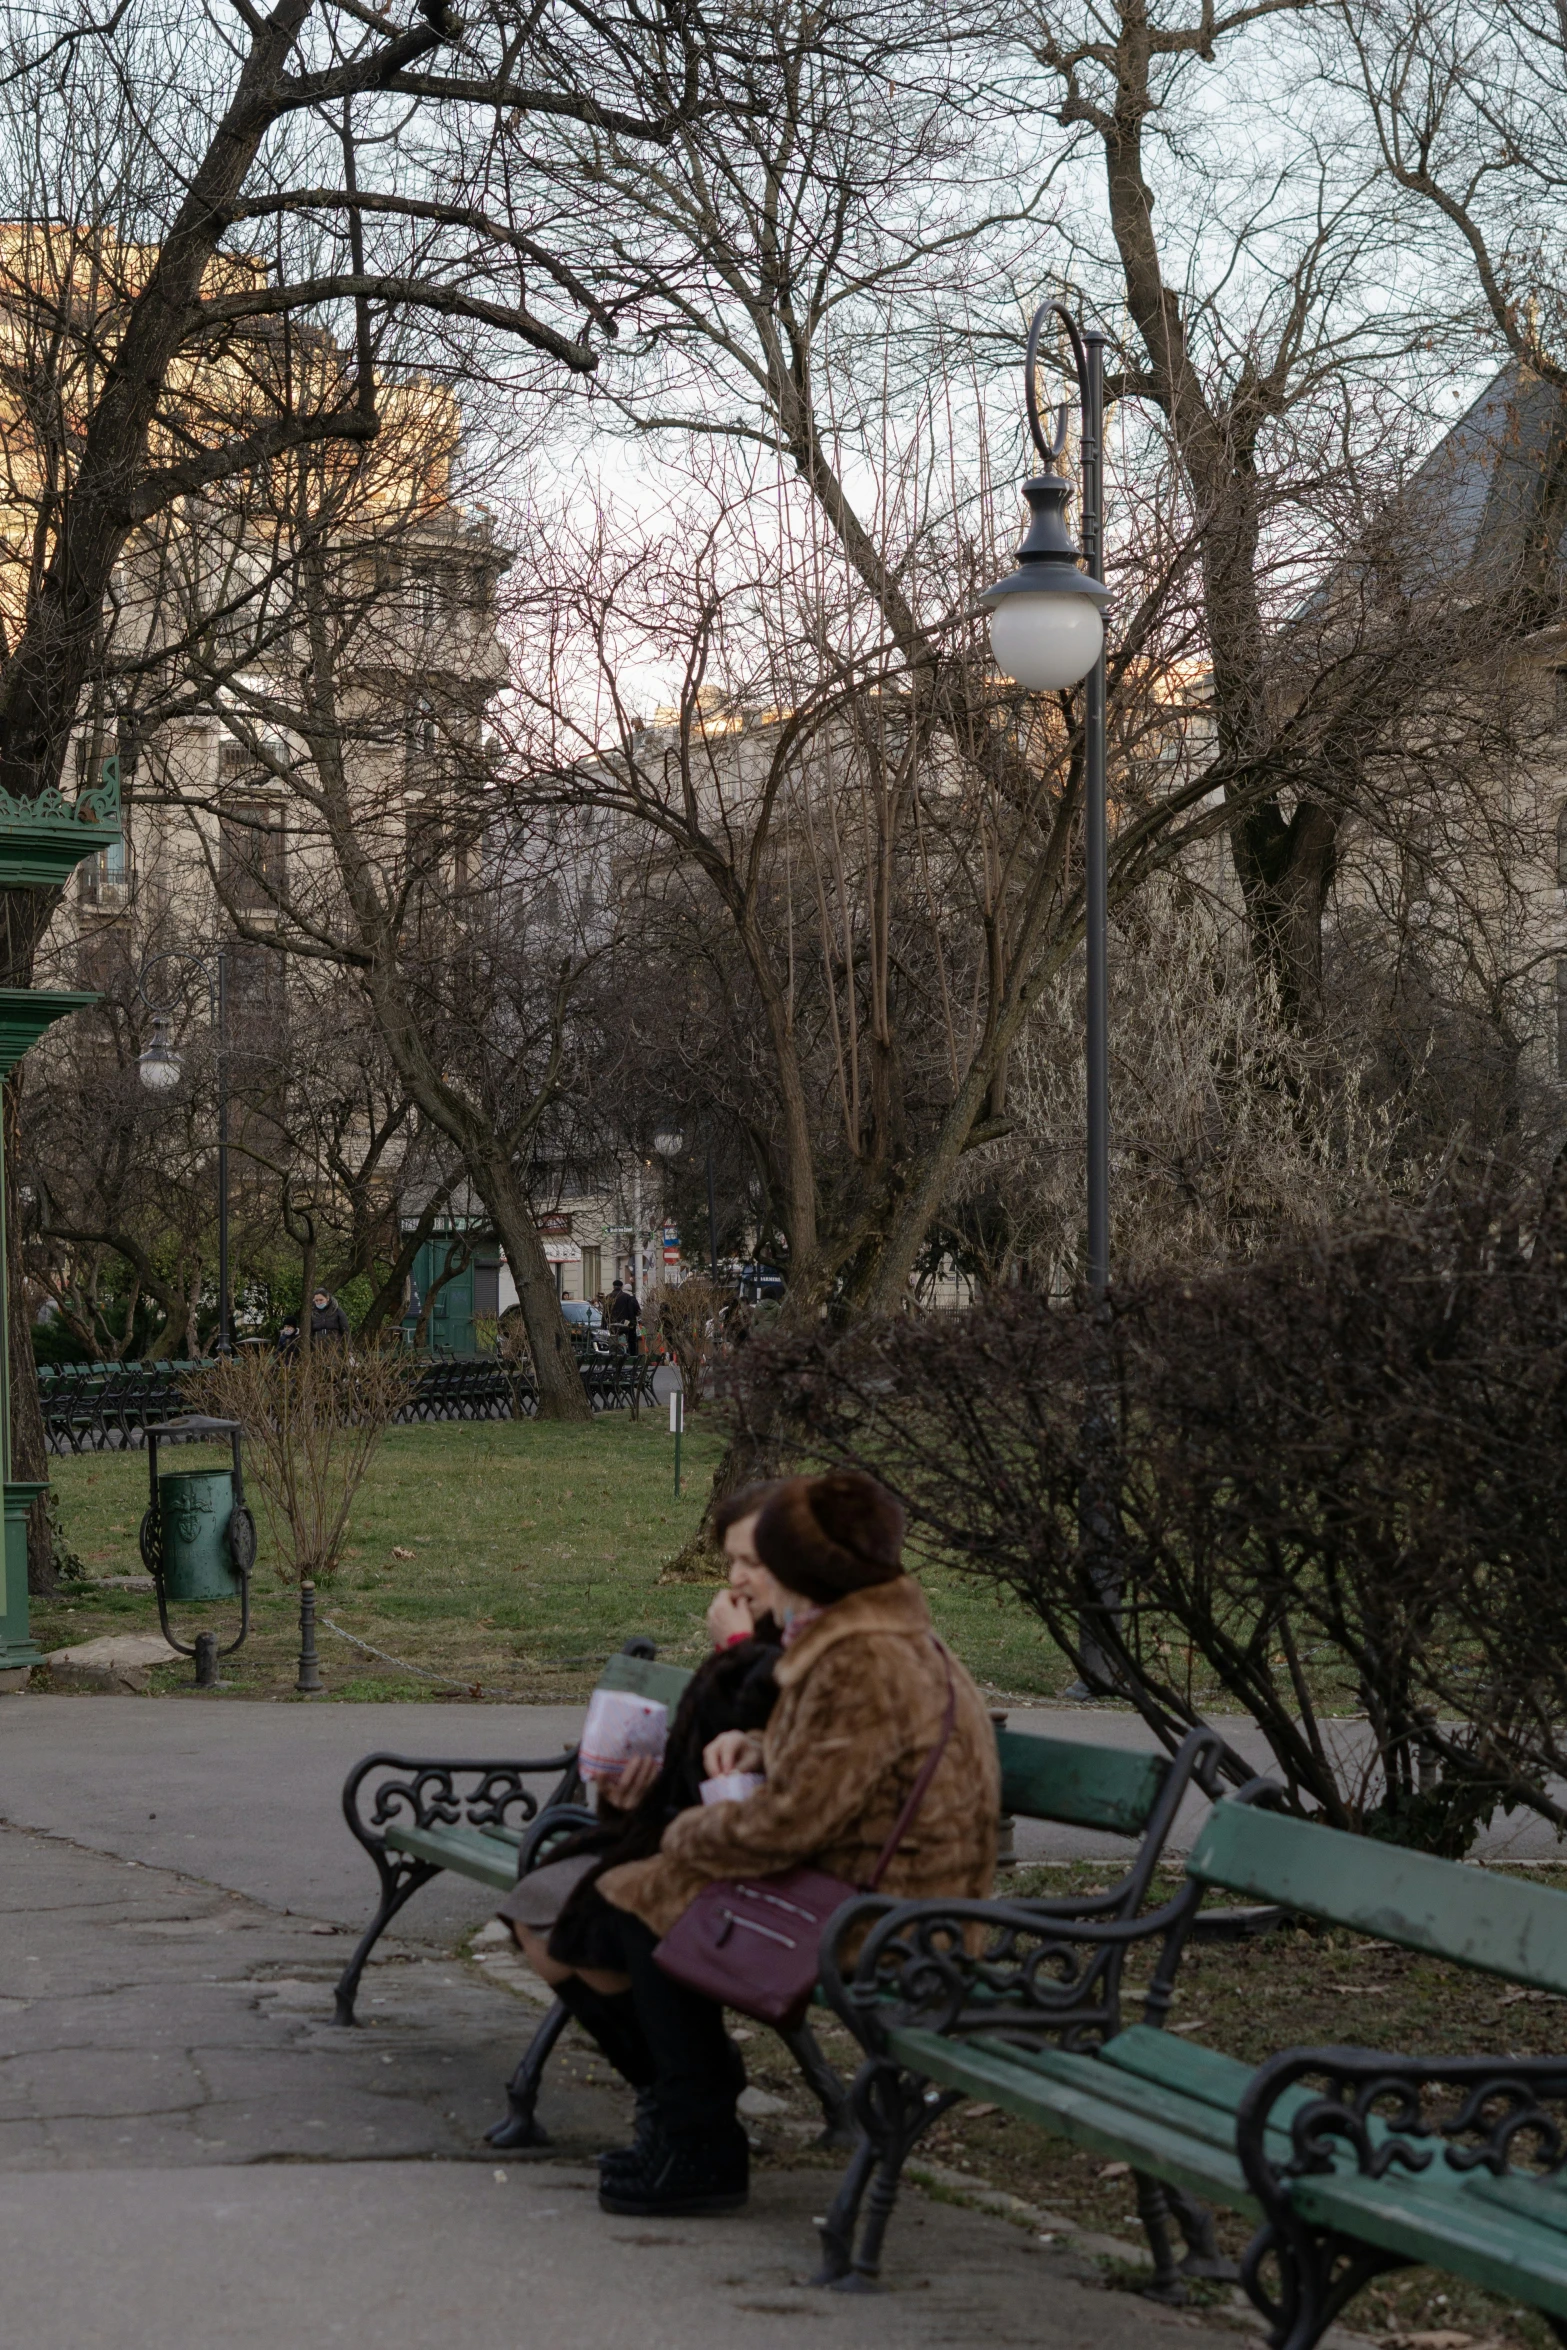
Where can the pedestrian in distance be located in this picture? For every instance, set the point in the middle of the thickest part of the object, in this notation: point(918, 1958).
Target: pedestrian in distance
point(624, 1315)
point(327, 1318)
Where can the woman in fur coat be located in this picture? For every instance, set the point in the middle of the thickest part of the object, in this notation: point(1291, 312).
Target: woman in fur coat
point(862, 1698)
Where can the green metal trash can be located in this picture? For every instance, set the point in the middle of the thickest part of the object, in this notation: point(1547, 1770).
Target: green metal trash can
point(194, 1507)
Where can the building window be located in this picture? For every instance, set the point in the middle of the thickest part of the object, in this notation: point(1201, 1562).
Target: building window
point(253, 854)
point(423, 743)
point(103, 880)
point(592, 1271)
point(425, 834)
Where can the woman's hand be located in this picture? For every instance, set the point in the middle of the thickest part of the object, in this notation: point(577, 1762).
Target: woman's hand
point(731, 1750)
point(729, 1618)
point(635, 1781)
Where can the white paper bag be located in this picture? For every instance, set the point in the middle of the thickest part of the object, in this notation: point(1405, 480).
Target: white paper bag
point(732, 1786)
point(619, 1729)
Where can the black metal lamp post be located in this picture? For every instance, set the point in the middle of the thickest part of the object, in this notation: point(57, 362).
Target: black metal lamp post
point(1047, 631)
point(669, 1142)
point(161, 1068)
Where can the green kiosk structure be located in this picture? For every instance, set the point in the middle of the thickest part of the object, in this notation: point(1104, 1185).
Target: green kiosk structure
point(42, 842)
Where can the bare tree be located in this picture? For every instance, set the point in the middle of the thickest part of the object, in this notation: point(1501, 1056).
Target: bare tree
point(197, 205)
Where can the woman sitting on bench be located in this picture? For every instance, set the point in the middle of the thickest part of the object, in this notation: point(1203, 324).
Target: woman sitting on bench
point(569, 1935)
point(866, 1696)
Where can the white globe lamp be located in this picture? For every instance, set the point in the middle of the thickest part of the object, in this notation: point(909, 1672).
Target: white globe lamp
point(1046, 618)
point(160, 1066)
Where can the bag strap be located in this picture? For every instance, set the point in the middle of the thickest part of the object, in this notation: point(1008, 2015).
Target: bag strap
point(921, 1786)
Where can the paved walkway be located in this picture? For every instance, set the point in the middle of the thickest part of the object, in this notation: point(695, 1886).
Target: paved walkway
point(177, 1783)
point(193, 2153)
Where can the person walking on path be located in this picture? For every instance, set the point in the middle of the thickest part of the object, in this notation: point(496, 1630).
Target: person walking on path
point(327, 1318)
point(624, 1315)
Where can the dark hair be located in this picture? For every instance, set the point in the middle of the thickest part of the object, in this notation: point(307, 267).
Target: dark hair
point(745, 1502)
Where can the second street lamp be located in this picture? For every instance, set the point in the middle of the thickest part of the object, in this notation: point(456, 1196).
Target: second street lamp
point(160, 1069)
point(1047, 631)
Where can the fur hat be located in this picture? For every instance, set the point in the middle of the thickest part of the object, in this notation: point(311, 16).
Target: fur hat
point(827, 1536)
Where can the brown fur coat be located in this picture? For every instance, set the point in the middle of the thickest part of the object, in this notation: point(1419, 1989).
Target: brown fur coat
point(860, 1705)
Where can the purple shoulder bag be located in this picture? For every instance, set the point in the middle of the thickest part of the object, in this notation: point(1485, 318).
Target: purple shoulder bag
point(752, 1943)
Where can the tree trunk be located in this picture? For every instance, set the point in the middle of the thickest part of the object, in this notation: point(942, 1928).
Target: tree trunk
point(562, 1395)
point(389, 1297)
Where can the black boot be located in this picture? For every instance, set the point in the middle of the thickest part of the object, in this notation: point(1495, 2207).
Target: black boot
point(696, 2158)
point(684, 2174)
point(610, 2021)
point(630, 2158)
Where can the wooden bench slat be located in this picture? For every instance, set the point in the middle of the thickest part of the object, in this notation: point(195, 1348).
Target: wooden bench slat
point(1175, 2152)
point(1543, 2200)
point(1468, 2238)
point(1470, 1916)
point(1488, 2241)
point(1172, 2063)
point(1129, 2092)
point(1108, 1787)
point(468, 1852)
point(643, 1676)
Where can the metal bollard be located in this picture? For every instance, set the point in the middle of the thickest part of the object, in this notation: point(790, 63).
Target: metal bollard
point(207, 1660)
point(309, 1683)
point(1006, 1842)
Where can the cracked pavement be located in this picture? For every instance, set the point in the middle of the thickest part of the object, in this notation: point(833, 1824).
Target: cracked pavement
point(194, 2152)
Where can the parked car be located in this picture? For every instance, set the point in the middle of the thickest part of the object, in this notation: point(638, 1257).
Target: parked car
point(581, 1313)
point(761, 1285)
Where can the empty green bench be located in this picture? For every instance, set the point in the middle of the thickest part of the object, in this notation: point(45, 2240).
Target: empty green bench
point(1351, 2161)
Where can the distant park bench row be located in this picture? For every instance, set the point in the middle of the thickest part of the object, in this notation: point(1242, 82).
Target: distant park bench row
point(106, 1407)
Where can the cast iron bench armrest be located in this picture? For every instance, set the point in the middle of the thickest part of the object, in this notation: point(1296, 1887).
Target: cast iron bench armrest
point(418, 1800)
point(957, 1967)
point(427, 1795)
point(1366, 2165)
point(556, 1819)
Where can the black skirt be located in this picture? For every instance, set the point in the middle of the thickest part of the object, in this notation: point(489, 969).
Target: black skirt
point(587, 1933)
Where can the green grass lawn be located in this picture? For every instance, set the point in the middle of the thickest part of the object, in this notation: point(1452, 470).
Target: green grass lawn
point(532, 1552)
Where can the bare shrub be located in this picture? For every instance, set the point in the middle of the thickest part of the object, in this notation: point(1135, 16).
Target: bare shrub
point(312, 1422)
point(689, 1322)
point(1329, 1484)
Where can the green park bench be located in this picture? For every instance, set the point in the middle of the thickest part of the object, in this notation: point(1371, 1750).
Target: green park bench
point(483, 1821)
point(1351, 2161)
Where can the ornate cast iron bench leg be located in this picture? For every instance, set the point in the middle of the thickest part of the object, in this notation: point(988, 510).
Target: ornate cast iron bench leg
point(1153, 2210)
point(894, 2109)
point(522, 2091)
point(837, 2230)
point(1195, 2221)
point(399, 1882)
point(830, 2092)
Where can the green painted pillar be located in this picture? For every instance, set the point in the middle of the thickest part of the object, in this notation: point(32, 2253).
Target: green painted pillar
point(24, 1015)
point(42, 842)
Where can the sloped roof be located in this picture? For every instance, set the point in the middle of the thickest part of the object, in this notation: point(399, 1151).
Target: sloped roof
point(1493, 492)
